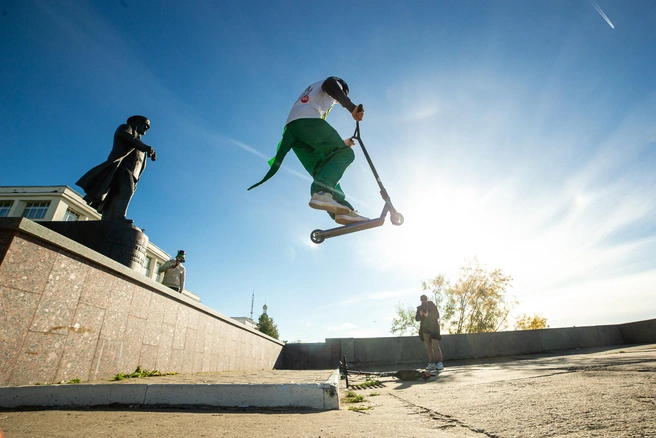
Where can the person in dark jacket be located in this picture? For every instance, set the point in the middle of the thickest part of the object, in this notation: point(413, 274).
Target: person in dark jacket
point(110, 185)
point(429, 332)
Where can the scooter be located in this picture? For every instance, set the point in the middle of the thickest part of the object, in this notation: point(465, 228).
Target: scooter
point(318, 236)
point(407, 375)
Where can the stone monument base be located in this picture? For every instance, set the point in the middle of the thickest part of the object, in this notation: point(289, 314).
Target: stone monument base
point(120, 241)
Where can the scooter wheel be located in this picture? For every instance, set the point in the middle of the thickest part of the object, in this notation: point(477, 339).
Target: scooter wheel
point(397, 218)
point(316, 237)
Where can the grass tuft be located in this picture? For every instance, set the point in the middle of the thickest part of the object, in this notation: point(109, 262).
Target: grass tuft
point(141, 373)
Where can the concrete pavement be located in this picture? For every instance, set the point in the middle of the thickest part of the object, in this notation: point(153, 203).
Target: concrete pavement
point(578, 393)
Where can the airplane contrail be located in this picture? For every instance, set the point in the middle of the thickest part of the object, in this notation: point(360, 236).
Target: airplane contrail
point(596, 6)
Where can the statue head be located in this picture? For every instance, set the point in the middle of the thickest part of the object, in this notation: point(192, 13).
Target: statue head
point(140, 123)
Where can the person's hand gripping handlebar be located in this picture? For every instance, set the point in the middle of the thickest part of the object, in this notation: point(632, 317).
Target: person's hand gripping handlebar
point(358, 113)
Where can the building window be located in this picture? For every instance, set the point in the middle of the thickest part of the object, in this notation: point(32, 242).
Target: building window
point(5, 206)
point(36, 210)
point(149, 264)
point(159, 275)
point(71, 216)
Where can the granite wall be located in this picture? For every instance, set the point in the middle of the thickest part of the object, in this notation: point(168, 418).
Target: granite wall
point(67, 312)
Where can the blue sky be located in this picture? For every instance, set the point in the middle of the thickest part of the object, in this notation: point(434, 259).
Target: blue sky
point(522, 133)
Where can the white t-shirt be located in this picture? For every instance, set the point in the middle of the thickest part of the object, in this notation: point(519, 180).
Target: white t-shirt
point(313, 103)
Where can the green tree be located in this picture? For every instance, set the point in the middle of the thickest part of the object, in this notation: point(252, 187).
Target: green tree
point(267, 326)
point(475, 303)
point(527, 322)
point(404, 321)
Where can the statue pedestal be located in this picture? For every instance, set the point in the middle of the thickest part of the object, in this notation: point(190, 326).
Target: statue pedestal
point(120, 241)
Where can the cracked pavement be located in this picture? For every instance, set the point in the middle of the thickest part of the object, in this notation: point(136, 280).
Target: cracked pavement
point(584, 393)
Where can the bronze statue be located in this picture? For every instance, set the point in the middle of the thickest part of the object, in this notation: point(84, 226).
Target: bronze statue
point(109, 186)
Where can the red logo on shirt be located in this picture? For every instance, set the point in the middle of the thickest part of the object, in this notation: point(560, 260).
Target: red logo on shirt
point(305, 99)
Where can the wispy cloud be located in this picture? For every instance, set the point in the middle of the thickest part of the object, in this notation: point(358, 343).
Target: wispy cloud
point(370, 297)
point(551, 227)
point(342, 327)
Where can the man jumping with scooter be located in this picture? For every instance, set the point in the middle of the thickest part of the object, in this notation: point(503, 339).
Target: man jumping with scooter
point(319, 147)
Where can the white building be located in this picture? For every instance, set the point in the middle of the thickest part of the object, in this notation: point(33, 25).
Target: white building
point(62, 203)
point(45, 203)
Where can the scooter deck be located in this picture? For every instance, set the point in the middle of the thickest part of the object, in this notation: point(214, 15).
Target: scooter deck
point(319, 236)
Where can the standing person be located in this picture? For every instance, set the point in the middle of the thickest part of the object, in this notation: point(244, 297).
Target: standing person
point(429, 332)
point(174, 272)
point(110, 185)
point(320, 148)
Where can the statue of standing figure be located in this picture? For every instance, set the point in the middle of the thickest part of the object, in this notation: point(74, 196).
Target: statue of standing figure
point(109, 187)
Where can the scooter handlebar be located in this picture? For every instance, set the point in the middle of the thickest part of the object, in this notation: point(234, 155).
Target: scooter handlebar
point(356, 134)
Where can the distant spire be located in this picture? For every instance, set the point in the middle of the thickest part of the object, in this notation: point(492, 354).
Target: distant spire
point(264, 308)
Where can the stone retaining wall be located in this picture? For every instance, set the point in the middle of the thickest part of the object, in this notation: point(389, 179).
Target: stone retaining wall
point(364, 352)
point(67, 312)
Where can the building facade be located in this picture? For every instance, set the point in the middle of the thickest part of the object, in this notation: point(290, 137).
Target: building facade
point(62, 203)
